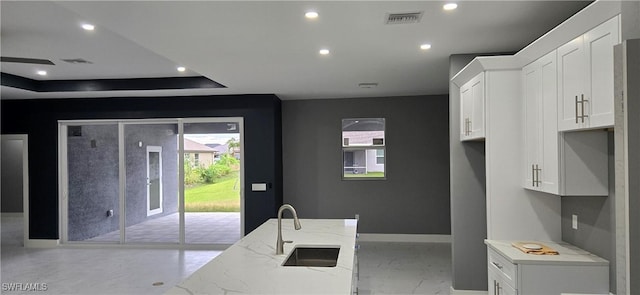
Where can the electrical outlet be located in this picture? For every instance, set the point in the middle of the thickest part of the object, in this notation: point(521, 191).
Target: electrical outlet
point(574, 221)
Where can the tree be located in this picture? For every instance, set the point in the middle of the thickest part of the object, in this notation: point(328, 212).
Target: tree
point(232, 144)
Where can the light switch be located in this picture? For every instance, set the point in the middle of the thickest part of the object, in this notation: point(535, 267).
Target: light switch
point(574, 221)
point(259, 187)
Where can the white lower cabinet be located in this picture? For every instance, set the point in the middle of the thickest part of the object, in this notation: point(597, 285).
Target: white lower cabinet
point(511, 271)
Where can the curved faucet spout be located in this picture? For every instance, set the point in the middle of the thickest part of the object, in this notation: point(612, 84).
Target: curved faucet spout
point(296, 225)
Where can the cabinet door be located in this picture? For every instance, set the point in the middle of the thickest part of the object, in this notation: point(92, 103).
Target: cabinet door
point(531, 93)
point(497, 286)
point(599, 44)
point(494, 279)
point(466, 104)
point(477, 115)
point(548, 175)
point(571, 69)
point(472, 109)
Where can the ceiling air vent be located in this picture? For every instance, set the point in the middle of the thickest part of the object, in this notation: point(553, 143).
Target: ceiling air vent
point(403, 18)
point(77, 61)
point(368, 85)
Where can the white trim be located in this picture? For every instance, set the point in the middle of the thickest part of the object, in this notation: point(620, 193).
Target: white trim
point(41, 243)
point(12, 214)
point(154, 149)
point(466, 292)
point(63, 182)
point(405, 238)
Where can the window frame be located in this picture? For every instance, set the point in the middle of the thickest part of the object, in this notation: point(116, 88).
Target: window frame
point(346, 148)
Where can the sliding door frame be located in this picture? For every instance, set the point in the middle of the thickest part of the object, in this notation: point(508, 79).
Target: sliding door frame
point(63, 177)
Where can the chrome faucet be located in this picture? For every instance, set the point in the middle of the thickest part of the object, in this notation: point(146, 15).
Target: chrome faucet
point(296, 225)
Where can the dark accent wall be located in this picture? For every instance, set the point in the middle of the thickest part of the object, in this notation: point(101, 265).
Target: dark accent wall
point(596, 215)
point(11, 176)
point(414, 198)
point(468, 197)
point(39, 119)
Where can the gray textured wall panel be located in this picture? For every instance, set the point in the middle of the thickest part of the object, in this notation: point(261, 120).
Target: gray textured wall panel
point(93, 181)
point(414, 199)
point(163, 135)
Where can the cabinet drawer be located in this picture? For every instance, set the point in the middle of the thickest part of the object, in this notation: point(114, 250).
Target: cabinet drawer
point(503, 267)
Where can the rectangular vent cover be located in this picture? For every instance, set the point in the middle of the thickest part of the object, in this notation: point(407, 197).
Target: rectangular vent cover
point(403, 18)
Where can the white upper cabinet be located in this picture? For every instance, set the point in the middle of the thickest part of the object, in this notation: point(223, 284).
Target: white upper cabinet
point(539, 81)
point(472, 97)
point(567, 164)
point(585, 78)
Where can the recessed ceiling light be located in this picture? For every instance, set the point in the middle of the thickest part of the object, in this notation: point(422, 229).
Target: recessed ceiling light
point(42, 73)
point(311, 15)
point(181, 69)
point(425, 46)
point(450, 6)
point(324, 51)
point(88, 27)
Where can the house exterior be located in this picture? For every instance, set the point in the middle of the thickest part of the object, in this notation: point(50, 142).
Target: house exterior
point(199, 154)
point(361, 154)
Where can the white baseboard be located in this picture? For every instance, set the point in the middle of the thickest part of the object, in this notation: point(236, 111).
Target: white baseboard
point(467, 292)
point(41, 243)
point(405, 238)
point(12, 214)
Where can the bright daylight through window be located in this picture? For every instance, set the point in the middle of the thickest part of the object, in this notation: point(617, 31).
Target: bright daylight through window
point(363, 148)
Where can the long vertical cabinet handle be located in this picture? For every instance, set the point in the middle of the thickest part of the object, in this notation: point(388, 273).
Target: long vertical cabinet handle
point(495, 287)
point(577, 109)
point(538, 181)
point(468, 126)
point(582, 101)
point(533, 176)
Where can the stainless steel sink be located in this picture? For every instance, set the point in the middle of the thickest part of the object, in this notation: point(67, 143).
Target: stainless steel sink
point(317, 256)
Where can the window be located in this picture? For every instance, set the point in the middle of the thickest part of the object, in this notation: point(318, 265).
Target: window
point(196, 159)
point(380, 157)
point(363, 148)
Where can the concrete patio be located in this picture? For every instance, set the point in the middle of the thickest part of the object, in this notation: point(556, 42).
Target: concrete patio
point(200, 228)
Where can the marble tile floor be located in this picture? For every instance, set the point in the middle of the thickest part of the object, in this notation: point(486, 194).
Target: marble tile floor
point(385, 268)
point(200, 228)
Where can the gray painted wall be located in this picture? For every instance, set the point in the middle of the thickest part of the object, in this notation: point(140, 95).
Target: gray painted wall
point(93, 181)
point(414, 199)
point(633, 125)
point(596, 215)
point(468, 197)
point(93, 177)
point(11, 160)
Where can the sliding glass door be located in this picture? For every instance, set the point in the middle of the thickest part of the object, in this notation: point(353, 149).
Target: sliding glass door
point(167, 181)
point(151, 190)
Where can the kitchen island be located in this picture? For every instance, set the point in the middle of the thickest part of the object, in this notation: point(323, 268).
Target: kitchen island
point(251, 265)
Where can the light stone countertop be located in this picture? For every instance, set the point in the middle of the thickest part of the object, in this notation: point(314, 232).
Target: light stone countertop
point(568, 254)
point(251, 265)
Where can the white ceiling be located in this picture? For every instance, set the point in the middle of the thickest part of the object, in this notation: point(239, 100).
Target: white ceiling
point(265, 46)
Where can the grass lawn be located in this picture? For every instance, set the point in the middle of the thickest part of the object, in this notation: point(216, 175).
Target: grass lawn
point(370, 174)
point(221, 196)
